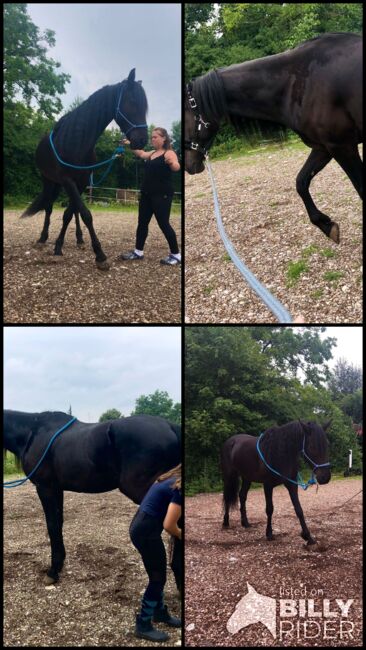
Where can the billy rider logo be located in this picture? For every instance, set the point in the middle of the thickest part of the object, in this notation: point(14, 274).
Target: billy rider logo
point(306, 615)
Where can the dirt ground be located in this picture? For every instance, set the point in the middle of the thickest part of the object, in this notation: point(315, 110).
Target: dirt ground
point(220, 564)
point(267, 223)
point(42, 288)
point(100, 589)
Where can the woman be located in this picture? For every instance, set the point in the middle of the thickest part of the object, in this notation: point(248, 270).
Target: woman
point(160, 509)
point(156, 195)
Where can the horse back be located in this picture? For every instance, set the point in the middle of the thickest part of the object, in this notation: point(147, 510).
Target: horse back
point(239, 453)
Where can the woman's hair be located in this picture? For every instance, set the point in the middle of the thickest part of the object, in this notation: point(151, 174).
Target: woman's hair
point(177, 473)
point(164, 134)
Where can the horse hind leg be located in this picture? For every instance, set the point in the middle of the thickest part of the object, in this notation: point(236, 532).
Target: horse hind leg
point(242, 498)
point(44, 234)
point(67, 216)
point(79, 233)
point(230, 495)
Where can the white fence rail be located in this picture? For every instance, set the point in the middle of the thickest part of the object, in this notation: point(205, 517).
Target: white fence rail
point(116, 195)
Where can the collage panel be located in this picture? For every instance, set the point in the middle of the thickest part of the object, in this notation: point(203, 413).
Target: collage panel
point(92, 163)
point(92, 486)
point(273, 133)
point(273, 485)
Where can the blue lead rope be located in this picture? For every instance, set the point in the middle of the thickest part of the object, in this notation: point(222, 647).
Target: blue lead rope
point(117, 152)
point(276, 307)
point(20, 481)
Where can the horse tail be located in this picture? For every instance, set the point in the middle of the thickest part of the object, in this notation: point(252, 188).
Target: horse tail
point(44, 200)
point(230, 477)
point(177, 430)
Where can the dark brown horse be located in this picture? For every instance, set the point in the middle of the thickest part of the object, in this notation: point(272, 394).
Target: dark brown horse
point(314, 89)
point(273, 459)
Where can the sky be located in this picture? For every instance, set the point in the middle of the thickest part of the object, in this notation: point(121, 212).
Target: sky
point(349, 344)
point(90, 368)
point(98, 44)
point(97, 368)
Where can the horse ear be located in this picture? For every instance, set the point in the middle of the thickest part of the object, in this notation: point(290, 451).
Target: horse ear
point(327, 425)
point(131, 76)
point(305, 426)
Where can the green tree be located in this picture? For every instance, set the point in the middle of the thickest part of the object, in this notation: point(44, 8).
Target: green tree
point(158, 403)
point(111, 414)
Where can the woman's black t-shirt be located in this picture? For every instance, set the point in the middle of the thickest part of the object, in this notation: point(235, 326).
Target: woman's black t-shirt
point(157, 178)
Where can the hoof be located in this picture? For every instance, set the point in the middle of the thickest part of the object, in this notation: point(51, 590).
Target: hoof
point(50, 581)
point(103, 266)
point(270, 538)
point(39, 244)
point(80, 245)
point(334, 233)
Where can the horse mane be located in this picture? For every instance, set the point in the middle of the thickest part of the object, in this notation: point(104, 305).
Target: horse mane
point(281, 444)
point(209, 92)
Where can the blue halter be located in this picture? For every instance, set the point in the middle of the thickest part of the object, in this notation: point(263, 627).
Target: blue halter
point(118, 110)
point(311, 481)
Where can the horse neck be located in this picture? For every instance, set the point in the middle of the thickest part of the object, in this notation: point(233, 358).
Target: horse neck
point(257, 89)
point(17, 429)
point(79, 131)
point(293, 444)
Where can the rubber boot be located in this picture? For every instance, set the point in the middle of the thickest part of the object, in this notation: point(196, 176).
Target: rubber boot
point(145, 630)
point(163, 616)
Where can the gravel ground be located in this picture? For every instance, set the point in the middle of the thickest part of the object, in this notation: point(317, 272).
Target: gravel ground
point(100, 589)
point(266, 221)
point(42, 288)
point(220, 563)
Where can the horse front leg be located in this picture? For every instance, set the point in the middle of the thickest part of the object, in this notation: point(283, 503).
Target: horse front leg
point(80, 207)
point(316, 161)
point(268, 490)
point(305, 534)
point(52, 503)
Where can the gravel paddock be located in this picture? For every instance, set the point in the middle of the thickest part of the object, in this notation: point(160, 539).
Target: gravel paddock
point(100, 588)
point(269, 227)
point(219, 564)
point(42, 288)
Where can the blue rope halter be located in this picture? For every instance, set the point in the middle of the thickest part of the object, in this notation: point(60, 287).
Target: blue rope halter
point(20, 481)
point(118, 110)
point(311, 481)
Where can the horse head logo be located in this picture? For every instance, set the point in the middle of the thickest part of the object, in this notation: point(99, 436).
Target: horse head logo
point(253, 607)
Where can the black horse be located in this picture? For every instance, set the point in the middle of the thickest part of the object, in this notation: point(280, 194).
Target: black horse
point(314, 89)
point(128, 454)
point(74, 137)
point(272, 459)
